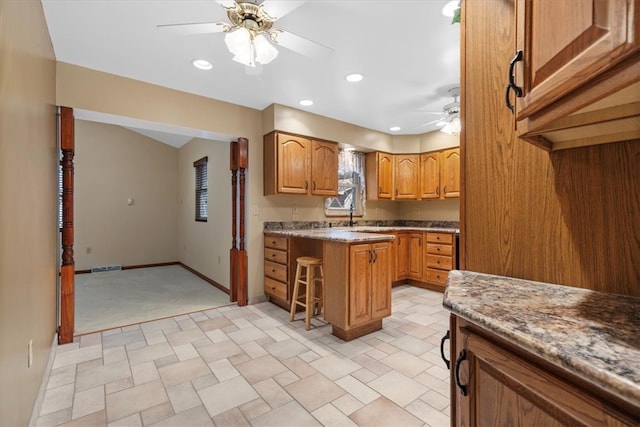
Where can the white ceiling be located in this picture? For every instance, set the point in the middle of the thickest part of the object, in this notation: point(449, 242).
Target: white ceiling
point(406, 49)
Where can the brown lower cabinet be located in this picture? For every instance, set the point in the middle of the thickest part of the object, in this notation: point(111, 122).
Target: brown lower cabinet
point(280, 255)
point(424, 258)
point(358, 280)
point(357, 292)
point(494, 383)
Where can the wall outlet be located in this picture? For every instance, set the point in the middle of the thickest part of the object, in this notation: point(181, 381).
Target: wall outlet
point(294, 210)
point(88, 251)
point(256, 210)
point(30, 354)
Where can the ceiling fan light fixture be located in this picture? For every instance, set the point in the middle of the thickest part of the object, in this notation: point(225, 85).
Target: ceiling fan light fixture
point(238, 41)
point(264, 51)
point(453, 127)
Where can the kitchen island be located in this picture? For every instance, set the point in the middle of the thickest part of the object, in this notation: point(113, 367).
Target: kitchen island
point(541, 354)
point(357, 269)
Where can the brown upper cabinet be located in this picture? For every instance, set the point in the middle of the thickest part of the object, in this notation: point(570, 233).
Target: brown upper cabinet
point(576, 72)
point(295, 164)
point(379, 175)
point(450, 173)
point(430, 175)
point(406, 169)
point(433, 175)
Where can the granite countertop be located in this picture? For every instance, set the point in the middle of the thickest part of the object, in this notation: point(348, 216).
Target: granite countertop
point(591, 334)
point(367, 231)
point(334, 234)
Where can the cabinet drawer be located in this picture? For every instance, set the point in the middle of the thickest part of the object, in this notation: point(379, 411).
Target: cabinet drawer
point(275, 271)
point(436, 276)
point(275, 288)
point(436, 249)
point(276, 242)
point(440, 238)
point(275, 255)
point(441, 262)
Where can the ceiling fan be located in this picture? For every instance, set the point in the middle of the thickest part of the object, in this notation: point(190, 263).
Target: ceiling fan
point(450, 111)
point(250, 34)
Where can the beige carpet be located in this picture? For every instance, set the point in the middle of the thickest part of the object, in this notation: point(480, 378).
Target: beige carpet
point(118, 298)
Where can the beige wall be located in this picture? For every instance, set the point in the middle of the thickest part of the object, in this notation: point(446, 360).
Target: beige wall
point(204, 246)
point(28, 205)
point(112, 165)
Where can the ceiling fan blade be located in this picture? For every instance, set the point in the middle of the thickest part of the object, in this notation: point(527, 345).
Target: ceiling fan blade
point(301, 45)
point(430, 123)
point(196, 27)
point(277, 9)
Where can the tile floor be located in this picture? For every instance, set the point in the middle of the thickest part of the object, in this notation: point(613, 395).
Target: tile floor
point(249, 366)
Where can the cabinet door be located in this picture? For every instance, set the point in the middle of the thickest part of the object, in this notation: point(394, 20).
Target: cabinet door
point(359, 284)
point(451, 173)
point(402, 256)
point(566, 43)
point(324, 168)
point(381, 280)
point(293, 164)
point(415, 256)
point(503, 388)
point(430, 175)
point(385, 176)
point(406, 169)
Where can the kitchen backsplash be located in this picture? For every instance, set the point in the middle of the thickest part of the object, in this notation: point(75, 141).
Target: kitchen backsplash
point(304, 225)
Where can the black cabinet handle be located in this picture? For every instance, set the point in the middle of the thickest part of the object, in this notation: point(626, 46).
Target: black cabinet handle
point(442, 341)
point(512, 86)
point(463, 388)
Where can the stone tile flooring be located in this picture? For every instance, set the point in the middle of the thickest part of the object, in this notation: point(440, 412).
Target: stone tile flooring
point(249, 366)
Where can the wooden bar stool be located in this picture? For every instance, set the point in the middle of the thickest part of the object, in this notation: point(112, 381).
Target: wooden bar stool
point(312, 299)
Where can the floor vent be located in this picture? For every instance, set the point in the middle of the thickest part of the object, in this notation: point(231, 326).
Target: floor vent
point(106, 268)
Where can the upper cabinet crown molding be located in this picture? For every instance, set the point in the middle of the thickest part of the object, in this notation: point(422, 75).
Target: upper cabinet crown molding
point(295, 164)
point(576, 72)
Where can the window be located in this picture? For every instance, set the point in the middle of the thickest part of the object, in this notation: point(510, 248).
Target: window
point(201, 189)
point(351, 187)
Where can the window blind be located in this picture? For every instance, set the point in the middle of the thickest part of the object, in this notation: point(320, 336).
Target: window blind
point(201, 189)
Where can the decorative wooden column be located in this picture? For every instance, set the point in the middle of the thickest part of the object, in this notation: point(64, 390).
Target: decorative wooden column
point(234, 214)
point(243, 163)
point(67, 270)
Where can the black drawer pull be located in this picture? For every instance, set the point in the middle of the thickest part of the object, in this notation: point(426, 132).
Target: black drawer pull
point(463, 388)
point(442, 341)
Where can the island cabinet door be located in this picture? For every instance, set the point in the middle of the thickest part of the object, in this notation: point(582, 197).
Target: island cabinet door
point(497, 386)
point(381, 280)
point(360, 257)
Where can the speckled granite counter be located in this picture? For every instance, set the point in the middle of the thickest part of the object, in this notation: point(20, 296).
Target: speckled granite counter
point(334, 235)
point(340, 231)
point(591, 334)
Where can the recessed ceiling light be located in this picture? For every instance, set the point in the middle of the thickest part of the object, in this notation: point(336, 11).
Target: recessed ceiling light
point(306, 102)
point(449, 9)
point(354, 77)
point(394, 128)
point(202, 64)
